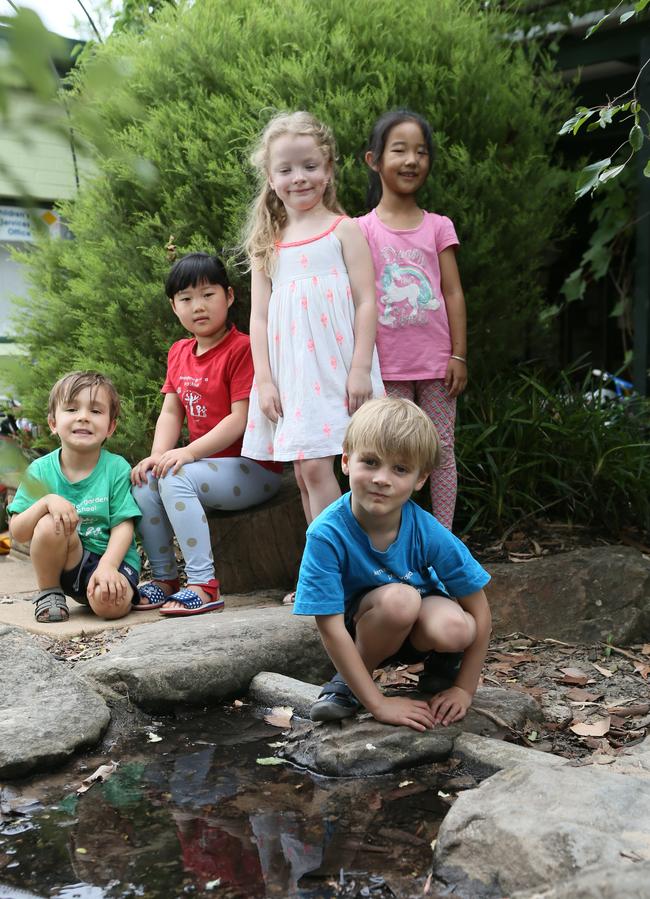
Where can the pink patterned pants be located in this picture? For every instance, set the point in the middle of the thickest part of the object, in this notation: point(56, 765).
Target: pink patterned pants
point(433, 398)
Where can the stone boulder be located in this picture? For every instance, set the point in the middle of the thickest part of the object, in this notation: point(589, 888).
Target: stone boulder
point(361, 746)
point(210, 657)
point(628, 880)
point(46, 711)
point(534, 828)
point(269, 689)
point(581, 596)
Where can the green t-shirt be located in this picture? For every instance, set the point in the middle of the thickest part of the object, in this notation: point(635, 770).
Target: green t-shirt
point(102, 500)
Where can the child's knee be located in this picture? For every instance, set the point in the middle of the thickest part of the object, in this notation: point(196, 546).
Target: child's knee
point(45, 531)
point(147, 493)
point(110, 609)
point(315, 472)
point(398, 604)
point(456, 631)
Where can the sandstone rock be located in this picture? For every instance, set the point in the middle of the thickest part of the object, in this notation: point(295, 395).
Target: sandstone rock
point(628, 880)
point(46, 712)
point(270, 689)
point(260, 547)
point(210, 657)
point(579, 596)
point(532, 828)
point(491, 755)
point(362, 746)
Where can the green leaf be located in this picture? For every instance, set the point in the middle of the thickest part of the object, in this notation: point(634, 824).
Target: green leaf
point(270, 760)
point(588, 177)
point(549, 312)
point(619, 308)
point(627, 15)
point(608, 174)
point(640, 5)
point(595, 27)
point(576, 121)
point(574, 286)
point(599, 257)
point(636, 137)
point(646, 169)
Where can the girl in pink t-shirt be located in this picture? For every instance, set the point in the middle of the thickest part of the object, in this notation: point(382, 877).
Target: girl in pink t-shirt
point(421, 331)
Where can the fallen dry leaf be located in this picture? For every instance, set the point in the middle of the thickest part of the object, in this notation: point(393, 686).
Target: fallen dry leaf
point(644, 670)
point(280, 716)
point(574, 676)
point(578, 695)
point(645, 649)
point(98, 776)
point(606, 672)
point(598, 729)
point(625, 711)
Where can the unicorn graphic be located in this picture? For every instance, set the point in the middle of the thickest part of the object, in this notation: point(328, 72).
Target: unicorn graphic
point(407, 295)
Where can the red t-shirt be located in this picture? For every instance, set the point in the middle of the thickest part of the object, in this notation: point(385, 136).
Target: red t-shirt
point(208, 384)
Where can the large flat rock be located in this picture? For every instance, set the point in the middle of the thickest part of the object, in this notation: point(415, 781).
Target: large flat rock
point(361, 746)
point(530, 829)
point(46, 711)
point(210, 657)
point(628, 880)
point(581, 596)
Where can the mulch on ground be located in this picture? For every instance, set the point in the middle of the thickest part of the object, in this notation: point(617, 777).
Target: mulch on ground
point(595, 698)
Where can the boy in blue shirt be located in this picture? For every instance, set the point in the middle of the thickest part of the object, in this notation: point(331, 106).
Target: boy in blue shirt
point(387, 582)
point(75, 506)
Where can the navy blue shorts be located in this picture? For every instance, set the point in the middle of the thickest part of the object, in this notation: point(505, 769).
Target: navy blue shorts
point(74, 582)
point(407, 654)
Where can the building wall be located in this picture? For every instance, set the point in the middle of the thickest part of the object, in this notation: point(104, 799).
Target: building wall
point(39, 159)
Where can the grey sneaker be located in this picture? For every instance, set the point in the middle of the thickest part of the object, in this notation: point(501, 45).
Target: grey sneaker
point(335, 701)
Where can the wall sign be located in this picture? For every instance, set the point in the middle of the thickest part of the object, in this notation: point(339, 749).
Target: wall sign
point(17, 225)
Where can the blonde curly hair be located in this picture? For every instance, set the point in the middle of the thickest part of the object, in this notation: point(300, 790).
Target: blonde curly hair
point(267, 215)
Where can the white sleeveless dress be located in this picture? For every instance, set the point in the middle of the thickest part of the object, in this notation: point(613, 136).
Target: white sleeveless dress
point(311, 341)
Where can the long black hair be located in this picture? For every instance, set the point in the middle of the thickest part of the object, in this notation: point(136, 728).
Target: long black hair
point(193, 269)
point(377, 144)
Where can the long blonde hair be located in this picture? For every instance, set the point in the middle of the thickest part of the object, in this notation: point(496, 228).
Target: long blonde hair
point(267, 215)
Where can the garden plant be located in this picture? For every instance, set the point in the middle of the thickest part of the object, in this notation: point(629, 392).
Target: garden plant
point(202, 79)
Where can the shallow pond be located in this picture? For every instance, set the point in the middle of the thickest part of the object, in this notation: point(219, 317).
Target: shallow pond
point(196, 814)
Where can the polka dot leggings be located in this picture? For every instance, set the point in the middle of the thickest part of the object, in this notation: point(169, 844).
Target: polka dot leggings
point(433, 398)
point(175, 504)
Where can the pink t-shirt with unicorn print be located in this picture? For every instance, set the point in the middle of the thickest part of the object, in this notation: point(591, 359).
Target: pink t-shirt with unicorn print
point(413, 339)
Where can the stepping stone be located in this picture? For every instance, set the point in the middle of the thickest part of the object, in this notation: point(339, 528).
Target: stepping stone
point(46, 712)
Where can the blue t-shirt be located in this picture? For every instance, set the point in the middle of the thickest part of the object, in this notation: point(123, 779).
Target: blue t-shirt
point(340, 563)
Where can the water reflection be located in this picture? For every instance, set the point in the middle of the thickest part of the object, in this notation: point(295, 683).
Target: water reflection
point(195, 815)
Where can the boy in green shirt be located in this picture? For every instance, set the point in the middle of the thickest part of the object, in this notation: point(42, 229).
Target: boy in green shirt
point(76, 509)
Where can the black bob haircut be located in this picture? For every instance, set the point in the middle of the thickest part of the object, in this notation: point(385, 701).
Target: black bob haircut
point(193, 269)
point(377, 145)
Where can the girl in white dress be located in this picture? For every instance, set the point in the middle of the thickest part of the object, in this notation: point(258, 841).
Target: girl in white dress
point(313, 309)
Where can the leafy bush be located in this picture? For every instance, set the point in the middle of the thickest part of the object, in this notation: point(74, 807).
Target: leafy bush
point(202, 81)
point(528, 446)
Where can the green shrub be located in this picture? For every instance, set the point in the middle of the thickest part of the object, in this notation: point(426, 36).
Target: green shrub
point(206, 78)
point(528, 446)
